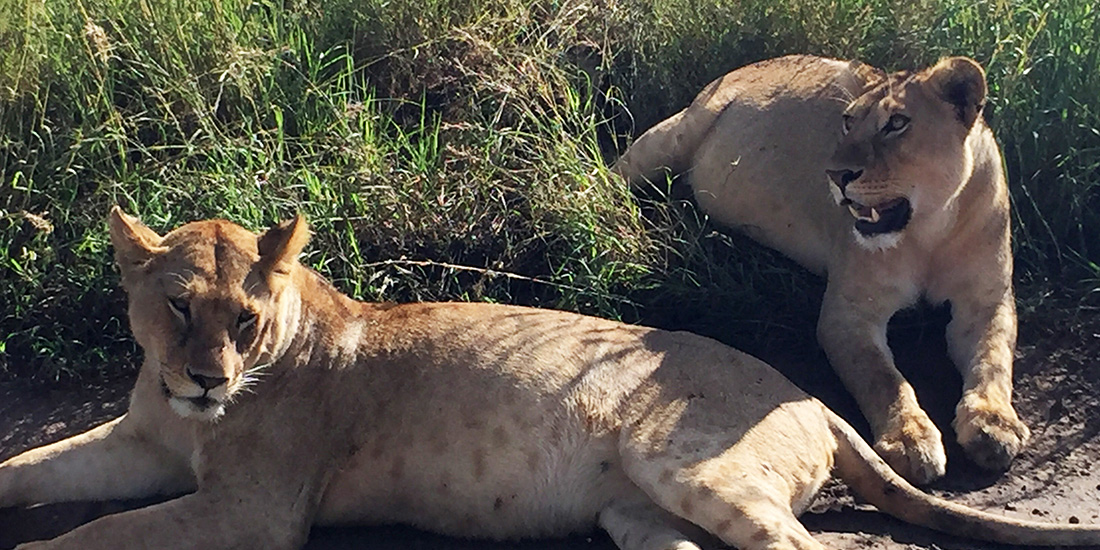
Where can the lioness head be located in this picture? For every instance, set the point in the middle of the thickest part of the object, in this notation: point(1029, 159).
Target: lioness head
point(209, 303)
point(904, 155)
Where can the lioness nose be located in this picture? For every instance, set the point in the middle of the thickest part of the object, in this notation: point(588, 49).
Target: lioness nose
point(843, 177)
point(206, 382)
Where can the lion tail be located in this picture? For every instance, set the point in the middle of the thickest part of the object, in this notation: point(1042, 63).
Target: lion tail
point(869, 476)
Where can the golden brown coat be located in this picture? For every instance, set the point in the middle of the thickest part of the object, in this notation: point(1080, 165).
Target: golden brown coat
point(917, 207)
point(271, 402)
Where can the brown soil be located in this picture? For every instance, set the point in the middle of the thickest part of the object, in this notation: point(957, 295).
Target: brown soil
point(1057, 393)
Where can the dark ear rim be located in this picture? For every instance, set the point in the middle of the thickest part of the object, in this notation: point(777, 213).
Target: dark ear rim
point(281, 244)
point(135, 244)
point(960, 81)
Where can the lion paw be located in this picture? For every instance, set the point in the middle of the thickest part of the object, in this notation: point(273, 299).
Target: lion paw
point(914, 449)
point(991, 436)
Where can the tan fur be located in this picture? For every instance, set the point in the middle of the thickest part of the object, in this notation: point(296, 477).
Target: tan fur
point(467, 419)
point(757, 145)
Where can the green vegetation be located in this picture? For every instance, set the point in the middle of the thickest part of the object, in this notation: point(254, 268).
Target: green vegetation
point(458, 149)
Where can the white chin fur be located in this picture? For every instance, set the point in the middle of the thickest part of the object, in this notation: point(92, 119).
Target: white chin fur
point(189, 410)
point(877, 243)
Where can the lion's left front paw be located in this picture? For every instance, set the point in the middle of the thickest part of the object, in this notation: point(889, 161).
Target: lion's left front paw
point(991, 435)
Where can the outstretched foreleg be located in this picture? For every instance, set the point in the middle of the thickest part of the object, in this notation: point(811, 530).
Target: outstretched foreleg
point(110, 461)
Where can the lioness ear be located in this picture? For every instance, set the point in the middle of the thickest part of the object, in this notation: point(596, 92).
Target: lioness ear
point(134, 243)
point(960, 81)
point(281, 245)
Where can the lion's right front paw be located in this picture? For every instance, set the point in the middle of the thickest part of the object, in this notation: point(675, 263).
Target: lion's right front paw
point(914, 449)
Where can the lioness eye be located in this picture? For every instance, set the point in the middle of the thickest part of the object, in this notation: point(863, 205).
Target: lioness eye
point(897, 123)
point(180, 308)
point(847, 124)
point(246, 319)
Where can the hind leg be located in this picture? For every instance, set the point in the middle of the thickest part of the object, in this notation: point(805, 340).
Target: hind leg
point(741, 512)
point(643, 525)
point(742, 485)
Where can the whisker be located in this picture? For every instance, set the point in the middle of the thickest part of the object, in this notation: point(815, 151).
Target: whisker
point(846, 95)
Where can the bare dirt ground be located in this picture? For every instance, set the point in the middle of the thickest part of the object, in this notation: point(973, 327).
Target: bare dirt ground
point(1056, 479)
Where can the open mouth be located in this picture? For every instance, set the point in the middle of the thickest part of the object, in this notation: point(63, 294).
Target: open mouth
point(888, 217)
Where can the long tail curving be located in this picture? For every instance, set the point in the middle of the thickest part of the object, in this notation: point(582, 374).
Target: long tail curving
point(869, 476)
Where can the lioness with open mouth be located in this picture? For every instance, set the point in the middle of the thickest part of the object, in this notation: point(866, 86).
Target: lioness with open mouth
point(273, 402)
point(892, 186)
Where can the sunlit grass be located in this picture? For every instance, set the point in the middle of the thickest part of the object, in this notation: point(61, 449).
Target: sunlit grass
point(459, 149)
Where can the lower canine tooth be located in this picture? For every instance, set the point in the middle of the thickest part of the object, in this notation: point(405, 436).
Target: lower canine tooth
point(874, 215)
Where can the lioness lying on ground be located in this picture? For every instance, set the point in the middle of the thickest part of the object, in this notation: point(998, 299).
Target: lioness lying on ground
point(277, 402)
point(923, 211)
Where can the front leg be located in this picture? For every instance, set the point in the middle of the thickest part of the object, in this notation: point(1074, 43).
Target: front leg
point(110, 461)
point(198, 520)
point(981, 338)
point(852, 330)
point(259, 486)
point(142, 453)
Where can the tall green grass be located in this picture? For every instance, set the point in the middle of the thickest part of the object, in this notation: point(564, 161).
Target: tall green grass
point(1043, 65)
point(459, 149)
